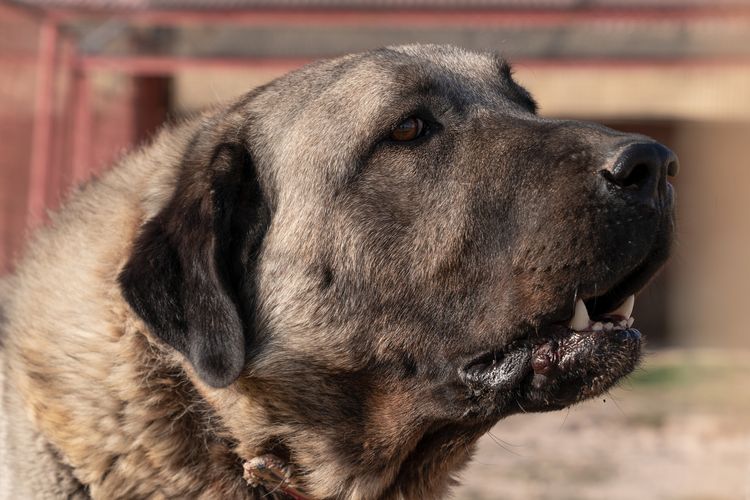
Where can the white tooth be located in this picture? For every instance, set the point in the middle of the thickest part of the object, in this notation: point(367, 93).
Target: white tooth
point(580, 319)
point(597, 327)
point(623, 323)
point(608, 326)
point(631, 320)
point(626, 309)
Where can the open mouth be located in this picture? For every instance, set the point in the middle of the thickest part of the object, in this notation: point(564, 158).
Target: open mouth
point(560, 364)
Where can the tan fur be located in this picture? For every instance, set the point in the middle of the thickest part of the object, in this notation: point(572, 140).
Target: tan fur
point(94, 384)
point(381, 271)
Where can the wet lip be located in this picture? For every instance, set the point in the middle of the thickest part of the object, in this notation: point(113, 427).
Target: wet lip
point(577, 365)
point(617, 320)
point(563, 363)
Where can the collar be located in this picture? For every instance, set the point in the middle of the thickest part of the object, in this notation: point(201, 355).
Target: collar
point(274, 475)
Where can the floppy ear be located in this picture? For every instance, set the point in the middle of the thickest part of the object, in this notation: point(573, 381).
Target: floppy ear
point(190, 274)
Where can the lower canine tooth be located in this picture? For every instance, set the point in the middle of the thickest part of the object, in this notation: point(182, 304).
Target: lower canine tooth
point(580, 319)
point(626, 309)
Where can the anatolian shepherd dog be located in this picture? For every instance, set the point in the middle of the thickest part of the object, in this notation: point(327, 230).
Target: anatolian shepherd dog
point(328, 289)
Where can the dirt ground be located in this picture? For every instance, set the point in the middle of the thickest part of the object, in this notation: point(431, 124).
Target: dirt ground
point(677, 429)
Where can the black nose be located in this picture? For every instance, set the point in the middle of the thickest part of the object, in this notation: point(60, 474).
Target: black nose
point(642, 168)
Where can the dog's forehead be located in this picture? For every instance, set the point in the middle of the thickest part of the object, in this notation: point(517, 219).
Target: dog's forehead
point(445, 70)
point(450, 60)
point(372, 80)
point(358, 88)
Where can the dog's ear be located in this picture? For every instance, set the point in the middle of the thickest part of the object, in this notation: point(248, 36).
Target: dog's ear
point(190, 276)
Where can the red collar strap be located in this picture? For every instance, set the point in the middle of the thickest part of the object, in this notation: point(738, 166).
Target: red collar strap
point(271, 473)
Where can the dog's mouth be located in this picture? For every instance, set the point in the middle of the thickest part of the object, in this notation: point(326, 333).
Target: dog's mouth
point(557, 365)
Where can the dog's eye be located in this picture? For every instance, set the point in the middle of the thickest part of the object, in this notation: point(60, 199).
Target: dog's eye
point(409, 129)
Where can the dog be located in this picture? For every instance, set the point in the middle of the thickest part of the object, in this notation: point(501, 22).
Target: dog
point(329, 288)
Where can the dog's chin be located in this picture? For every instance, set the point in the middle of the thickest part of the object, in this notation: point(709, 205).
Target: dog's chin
point(555, 366)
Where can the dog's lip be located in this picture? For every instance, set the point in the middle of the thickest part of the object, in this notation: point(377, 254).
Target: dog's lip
point(560, 363)
point(578, 365)
point(579, 321)
point(558, 367)
point(531, 352)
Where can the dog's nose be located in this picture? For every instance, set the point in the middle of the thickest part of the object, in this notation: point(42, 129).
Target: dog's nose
point(641, 168)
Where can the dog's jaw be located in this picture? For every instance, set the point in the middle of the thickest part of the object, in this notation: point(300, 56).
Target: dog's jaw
point(556, 366)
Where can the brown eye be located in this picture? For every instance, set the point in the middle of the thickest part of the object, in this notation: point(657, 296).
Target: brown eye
point(408, 130)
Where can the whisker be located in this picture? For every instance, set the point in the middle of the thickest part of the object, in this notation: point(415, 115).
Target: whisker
point(500, 443)
point(617, 405)
point(565, 419)
point(519, 405)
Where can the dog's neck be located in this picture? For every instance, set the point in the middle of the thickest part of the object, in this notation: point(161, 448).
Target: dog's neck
point(131, 419)
point(141, 430)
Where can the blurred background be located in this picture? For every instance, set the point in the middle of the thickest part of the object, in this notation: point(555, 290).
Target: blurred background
point(83, 80)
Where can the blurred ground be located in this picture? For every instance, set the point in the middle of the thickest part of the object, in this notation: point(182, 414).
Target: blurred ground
point(678, 429)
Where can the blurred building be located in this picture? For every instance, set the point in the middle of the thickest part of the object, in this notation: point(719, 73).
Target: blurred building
point(81, 80)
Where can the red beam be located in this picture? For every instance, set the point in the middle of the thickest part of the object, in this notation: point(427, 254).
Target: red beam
point(59, 163)
point(414, 17)
point(165, 65)
point(82, 127)
point(41, 143)
point(634, 62)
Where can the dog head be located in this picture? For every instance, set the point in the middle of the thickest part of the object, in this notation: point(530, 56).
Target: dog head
point(371, 260)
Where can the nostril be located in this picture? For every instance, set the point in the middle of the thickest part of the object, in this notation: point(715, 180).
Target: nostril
point(637, 177)
point(641, 168)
